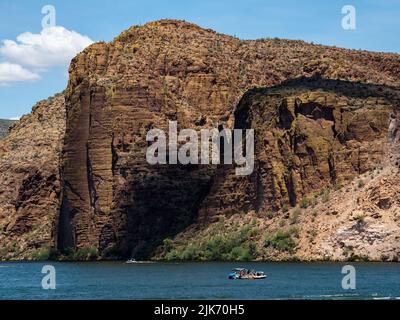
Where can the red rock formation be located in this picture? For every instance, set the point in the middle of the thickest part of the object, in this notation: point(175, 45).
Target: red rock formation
point(30, 182)
point(173, 70)
point(112, 200)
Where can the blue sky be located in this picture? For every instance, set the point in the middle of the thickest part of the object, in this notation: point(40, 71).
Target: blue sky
point(378, 29)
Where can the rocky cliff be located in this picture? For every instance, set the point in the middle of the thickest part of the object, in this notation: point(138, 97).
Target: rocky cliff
point(30, 184)
point(113, 202)
point(329, 149)
point(4, 127)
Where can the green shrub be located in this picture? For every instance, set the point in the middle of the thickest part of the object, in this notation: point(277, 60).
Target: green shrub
point(293, 231)
point(219, 247)
point(313, 234)
point(269, 214)
point(191, 253)
point(360, 218)
point(3, 251)
point(47, 253)
point(243, 253)
point(305, 203)
point(11, 247)
point(315, 200)
point(326, 195)
point(338, 186)
point(239, 254)
point(168, 244)
point(82, 254)
point(172, 255)
point(295, 216)
point(282, 241)
point(358, 258)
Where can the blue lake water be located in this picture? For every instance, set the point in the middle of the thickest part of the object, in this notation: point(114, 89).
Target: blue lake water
point(118, 280)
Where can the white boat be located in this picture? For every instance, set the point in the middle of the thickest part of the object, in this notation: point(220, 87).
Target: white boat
point(242, 273)
point(133, 261)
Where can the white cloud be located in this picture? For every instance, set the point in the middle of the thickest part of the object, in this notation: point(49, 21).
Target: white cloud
point(10, 72)
point(54, 46)
point(15, 118)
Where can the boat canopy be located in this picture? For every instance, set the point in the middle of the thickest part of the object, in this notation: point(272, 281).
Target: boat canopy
point(239, 269)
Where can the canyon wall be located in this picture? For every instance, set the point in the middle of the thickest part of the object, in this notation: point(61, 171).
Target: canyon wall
point(30, 180)
point(99, 192)
point(324, 185)
point(172, 70)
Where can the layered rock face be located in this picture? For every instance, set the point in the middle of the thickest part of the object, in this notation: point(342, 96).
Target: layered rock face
point(311, 133)
point(317, 134)
point(30, 181)
point(74, 174)
point(114, 201)
point(329, 149)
